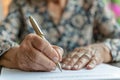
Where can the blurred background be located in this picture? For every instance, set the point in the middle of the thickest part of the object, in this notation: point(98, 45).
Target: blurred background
point(4, 4)
point(113, 5)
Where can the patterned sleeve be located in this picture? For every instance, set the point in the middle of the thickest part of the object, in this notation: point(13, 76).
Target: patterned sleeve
point(9, 29)
point(108, 30)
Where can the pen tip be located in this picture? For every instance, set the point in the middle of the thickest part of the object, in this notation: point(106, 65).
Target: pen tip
point(59, 66)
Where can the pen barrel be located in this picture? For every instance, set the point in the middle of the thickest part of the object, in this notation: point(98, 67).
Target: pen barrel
point(36, 27)
point(39, 32)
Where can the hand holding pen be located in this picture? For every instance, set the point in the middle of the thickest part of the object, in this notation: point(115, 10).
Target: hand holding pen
point(34, 53)
point(39, 33)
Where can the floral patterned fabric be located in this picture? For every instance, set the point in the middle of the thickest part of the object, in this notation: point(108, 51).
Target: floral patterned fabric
point(77, 27)
point(114, 5)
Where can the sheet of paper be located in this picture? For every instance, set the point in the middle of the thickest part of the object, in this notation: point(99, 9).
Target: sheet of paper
point(102, 71)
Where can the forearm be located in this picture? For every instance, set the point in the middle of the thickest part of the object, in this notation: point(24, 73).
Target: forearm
point(5, 41)
point(6, 45)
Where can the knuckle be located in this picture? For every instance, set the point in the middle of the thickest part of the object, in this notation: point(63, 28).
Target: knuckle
point(76, 56)
point(84, 60)
point(81, 49)
point(23, 48)
point(71, 62)
point(36, 37)
point(29, 36)
point(68, 59)
point(87, 56)
point(74, 60)
point(72, 54)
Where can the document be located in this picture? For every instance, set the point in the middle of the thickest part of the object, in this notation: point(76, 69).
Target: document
point(101, 72)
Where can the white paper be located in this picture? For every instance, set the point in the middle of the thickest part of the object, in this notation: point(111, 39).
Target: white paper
point(102, 71)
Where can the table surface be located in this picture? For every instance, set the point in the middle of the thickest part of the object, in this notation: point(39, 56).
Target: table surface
point(114, 64)
point(117, 64)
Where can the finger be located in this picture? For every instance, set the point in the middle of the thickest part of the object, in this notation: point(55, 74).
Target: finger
point(37, 67)
point(45, 47)
point(67, 59)
point(82, 62)
point(91, 64)
point(59, 50)
point(70, 55)
point(65, 62)
point(98, 58)
point(73, 60)
point(41, 60)
point(82, 49)
point(30, 65)
point(68, 64)
point(26, 61)
point(95, 61)
point(74, 56)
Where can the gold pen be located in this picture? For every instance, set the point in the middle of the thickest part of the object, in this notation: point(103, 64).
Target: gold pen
point(39, 32)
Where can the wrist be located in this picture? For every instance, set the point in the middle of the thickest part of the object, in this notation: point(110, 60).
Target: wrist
point(104, 51)
point(8, 59)
point(107, 54)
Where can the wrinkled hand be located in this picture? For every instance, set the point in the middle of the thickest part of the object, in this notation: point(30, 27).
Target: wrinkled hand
point(33, 54)
point(88, 57)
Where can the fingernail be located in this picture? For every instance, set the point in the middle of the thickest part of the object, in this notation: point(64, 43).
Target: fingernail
point(91, 65)
point(76, 66)
point(55, 59)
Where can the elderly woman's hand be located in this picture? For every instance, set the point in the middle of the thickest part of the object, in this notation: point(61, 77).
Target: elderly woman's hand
point(88, 57)
point(33, 54)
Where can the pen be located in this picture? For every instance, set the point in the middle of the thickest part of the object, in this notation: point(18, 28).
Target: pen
point(39, 32)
